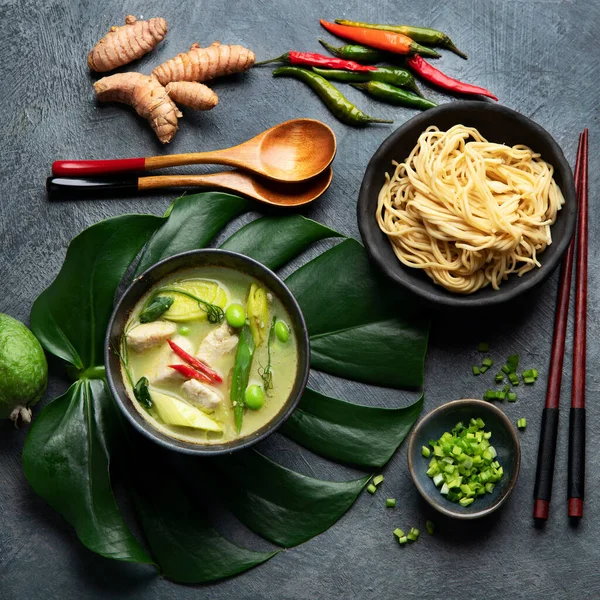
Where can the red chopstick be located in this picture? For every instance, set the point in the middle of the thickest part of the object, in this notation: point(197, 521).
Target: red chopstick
point(576, 472)
point(549, 427)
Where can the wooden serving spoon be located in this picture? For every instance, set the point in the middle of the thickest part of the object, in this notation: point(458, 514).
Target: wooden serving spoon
point(292, 151)
point(258, 188)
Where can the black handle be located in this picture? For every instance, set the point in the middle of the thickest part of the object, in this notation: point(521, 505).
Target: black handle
point(542, 492)
point(576, 481)
point(62, 188)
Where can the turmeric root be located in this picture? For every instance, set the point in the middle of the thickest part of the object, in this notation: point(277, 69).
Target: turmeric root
point(124, 44)
point(192, 94)
point(147, 96)
point(202, 64)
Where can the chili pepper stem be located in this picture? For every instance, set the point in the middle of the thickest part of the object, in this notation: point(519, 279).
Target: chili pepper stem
point(281, 58)
point(418, 49)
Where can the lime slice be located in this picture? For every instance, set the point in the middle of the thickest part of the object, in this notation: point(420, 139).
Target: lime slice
point(187, 309)
point(176, 412)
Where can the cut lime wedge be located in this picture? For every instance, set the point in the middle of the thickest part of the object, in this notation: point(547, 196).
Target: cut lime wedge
point(173, 411)
point(185, 308)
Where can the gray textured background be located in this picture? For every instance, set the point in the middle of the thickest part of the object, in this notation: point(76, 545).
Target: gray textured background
point(540, 57)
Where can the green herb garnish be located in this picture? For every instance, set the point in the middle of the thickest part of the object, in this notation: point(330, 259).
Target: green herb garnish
point(154, 309)
point(142, 393)
point(266, 373)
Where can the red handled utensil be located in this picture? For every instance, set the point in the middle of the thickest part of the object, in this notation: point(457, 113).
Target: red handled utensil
point(293, 151)
point(550, 415)
point(576, 472)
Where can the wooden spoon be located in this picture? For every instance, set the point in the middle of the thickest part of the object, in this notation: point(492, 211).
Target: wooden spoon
point(292, 151)
point(258, 188)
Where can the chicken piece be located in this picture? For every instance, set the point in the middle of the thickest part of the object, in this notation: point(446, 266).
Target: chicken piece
point(200, 394)
point(146, 335)
point(163, 373)
point(218, 342)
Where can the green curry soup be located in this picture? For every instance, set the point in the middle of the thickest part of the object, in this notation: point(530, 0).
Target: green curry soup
point(232, 348)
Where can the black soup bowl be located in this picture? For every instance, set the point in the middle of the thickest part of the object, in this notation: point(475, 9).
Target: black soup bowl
point(169, 266)
point(497, 124)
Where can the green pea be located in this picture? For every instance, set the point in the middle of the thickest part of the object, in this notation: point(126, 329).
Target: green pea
point(183, 330)
point(235, 315)
point(255, 397)
point(282, 332)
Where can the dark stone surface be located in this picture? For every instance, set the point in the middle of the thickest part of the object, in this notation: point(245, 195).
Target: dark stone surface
point(540, 57)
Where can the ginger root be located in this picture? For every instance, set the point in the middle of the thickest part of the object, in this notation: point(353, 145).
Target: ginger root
point(122, 45)
point(201, 64)
point(147, 96)
point(192, 94)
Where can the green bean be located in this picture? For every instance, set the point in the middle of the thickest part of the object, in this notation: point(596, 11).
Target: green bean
point(337, 103)
point(241, 372)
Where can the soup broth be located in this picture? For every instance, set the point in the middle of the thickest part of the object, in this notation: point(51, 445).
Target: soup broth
point(177, 395)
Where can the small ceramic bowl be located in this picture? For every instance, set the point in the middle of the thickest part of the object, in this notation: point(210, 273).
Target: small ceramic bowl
point(504, 439)
point(189, 260)
point(497, 124)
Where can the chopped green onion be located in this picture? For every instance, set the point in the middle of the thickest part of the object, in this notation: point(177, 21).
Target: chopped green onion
point(377, 479)
point(390, 503)
point(430, 526)
point(499, 378)
point(399, 533)
point(483, 369)
point(513, 378)
point(522, 423)
point(487, 362)
point(513, 362)
point(371, 489)
point(476, 370)
point(512, 397)
point(464, 461)
point(528, 380)
point(425, 451)
point(403, 540)
point(483, 347)
point(413, 534)
point(506, 369)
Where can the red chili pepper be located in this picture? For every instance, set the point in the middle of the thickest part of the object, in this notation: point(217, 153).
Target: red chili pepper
point(196, 363)
point(433, 75)
point(313, 59)
point(190, 373)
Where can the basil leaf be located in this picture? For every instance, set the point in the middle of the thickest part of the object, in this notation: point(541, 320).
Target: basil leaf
point(274, 241)
point(361, 326)
point(70, 317)
point(283, 506)
point(183, 543)
point(192, 222)
point(366, 436)
point(66, 461)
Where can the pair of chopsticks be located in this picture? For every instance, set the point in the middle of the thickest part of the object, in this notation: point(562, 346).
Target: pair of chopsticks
point(547, 447)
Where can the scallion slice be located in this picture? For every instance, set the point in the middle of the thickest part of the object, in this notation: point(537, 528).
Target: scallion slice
point(371, 488)
point(399, 533)
point(522, 423)
point(430, 526)
point(425, 451)
point(476, 370)
point(377, 479)
point(487, 362)
point(390, 502)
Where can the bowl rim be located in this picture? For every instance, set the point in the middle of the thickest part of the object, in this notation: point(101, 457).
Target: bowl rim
point(427, 494)
point(242, 443)
point(431, 292)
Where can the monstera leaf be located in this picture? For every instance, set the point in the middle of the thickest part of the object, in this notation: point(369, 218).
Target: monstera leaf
point(360, 328)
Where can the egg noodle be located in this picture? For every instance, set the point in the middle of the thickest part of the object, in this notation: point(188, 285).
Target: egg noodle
point(467, 211)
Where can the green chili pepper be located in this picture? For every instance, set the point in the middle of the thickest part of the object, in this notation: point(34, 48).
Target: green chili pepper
point(157, 307)
point(424, 35)
point(355, 52)
point(241, 372)
point(394, 95)
point(142, 393)
point(392, 75)
point(337, 103)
